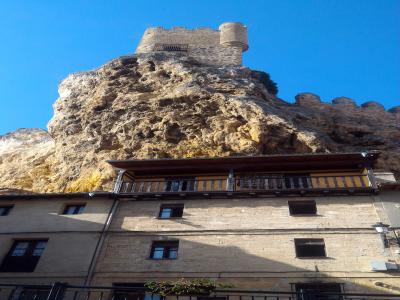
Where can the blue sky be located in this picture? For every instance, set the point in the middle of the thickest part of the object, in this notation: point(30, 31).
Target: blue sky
point(331, 48)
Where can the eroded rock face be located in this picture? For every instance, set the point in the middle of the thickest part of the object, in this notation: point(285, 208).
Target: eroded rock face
point(344, 127)
point(157, 106)
point(26, 156)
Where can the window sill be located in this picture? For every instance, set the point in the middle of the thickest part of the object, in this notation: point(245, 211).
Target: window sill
point(16, 272)
point(161, 259)
point(313, 257)
point(71, 214)
point(305, 215)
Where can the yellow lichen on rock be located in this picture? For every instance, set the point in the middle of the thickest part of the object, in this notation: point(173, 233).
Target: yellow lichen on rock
point(89, 181)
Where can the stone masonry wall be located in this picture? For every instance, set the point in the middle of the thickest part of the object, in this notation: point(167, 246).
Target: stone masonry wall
point(236, 257)
point(204, 44)
point(71, 239)
point(248, 242)
point(246, 214)
point(177, 35)
point(217, 55)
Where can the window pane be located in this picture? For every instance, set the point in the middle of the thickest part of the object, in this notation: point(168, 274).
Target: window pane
point(20, 249)
point(175, 185)
point(74, 209)
point(158, 252)
point(173, 253)
point(4, 210)
point(39, 248)
point(81, 208)
point(69, 210)
point(310, 248)
point(18, 252)
point(149, 296)
point(165, 212)
point(302, 207)
point(177, 212)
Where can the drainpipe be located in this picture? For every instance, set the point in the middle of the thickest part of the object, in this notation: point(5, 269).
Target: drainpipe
point(100, 241)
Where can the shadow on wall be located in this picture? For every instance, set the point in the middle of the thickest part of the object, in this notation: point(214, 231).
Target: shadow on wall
point(242, 260)
point(48, 215)
point(126, 259)
point(71, 239)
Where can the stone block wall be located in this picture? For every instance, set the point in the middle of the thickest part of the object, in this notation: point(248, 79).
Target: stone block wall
point(217, 55)
point(203, 45)
point(71, 239)
point(248, 242)
point(177, 35)
point(247, 214)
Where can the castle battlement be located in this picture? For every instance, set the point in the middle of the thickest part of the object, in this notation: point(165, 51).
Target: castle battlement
point(215, 47)
point(180, 29)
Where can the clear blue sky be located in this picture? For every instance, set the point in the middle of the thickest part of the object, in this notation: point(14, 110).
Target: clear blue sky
point(331, 48)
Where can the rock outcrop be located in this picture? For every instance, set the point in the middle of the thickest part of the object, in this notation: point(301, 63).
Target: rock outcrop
point(161, 105)
point(26, 157)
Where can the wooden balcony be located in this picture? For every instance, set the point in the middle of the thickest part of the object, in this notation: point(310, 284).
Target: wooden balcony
point(250, 185)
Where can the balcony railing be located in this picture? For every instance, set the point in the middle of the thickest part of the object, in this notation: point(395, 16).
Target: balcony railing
point(249, 184)
point(62, 291)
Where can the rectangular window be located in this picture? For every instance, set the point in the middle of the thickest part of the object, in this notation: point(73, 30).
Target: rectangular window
point(312, 248)
point(23, 256)
point(182, 184)
point(74, 209)
point(5, 210)
point(133, 291)
point(263, 182)
point(297, 181)
point(316, 291)
point(164, 250)
point(171, 211)
point(26, 293)
point(308, 207)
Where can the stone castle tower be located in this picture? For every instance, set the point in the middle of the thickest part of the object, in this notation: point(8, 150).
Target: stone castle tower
point(223, 47)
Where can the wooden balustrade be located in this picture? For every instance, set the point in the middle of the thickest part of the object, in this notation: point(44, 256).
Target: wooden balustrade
point(248, 183)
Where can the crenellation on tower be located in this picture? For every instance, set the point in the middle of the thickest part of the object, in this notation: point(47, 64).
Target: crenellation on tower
point(223, 47)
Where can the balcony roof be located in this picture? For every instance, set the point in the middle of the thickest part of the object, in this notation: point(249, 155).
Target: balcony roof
point(270, 163)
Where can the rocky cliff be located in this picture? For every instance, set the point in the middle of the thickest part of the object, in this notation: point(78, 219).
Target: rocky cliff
point(163, 105)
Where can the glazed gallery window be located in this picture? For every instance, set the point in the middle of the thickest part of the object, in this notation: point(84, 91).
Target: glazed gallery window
point(308, 207)
point(5, 210)
point(169, 211)
point(164, 250)
point(181, 184)
point(74, 209)
point(310, 248)
point(23, 256)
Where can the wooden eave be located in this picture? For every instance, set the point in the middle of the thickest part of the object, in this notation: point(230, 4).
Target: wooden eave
point(41, 196)
point(242, 164)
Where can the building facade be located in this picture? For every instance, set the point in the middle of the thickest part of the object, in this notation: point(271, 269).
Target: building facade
point(278, 223)
point(49, 238)
point(275, 223)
